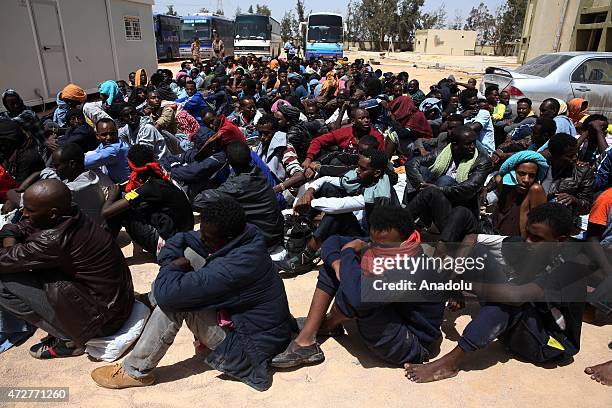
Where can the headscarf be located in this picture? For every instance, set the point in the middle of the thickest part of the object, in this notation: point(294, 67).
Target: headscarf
point(576, 112)
point(562, 107)
point(74, 93)
point(110, 89)
point(135, 180)
point(12, 92)
point(290, 112)
point(431, 104)
point(273, 64)
point(407, 114)
point(137, 78)
point(508, 169)
point(329, 84)
point(182, 74)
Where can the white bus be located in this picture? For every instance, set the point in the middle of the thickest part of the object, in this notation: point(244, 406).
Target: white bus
point(257, 35)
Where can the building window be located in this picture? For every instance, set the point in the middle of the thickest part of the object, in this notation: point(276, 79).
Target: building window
point(132, 28)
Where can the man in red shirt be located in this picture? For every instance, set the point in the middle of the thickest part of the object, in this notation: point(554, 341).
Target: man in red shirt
point(346, 138)
point(224, 129)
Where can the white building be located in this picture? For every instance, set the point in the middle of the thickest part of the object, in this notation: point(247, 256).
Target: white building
point(46, 44)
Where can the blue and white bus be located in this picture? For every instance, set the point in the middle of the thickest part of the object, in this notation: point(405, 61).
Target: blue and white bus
point(324, 36)
point(167, 30)
point(257, 35)
point(202, 26)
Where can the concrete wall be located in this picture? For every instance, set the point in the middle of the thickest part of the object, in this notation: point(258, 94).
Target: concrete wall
point(445, 42)
point(544, 19)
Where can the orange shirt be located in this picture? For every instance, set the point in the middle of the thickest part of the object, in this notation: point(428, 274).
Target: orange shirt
point(601, 208)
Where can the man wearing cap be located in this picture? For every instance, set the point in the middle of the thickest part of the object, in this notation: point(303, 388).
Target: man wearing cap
point(69, 98)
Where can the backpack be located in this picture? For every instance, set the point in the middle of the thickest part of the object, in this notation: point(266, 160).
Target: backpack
point(297, 232)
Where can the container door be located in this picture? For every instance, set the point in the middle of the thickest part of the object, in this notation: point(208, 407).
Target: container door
point(48, 31)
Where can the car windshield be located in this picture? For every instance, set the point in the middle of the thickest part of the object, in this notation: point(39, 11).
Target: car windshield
point(543, 65)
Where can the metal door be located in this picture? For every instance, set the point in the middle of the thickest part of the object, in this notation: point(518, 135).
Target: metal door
point(50, 40)
point(592, 81)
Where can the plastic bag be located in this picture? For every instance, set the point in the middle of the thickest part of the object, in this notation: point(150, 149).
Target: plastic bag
point(110, 348)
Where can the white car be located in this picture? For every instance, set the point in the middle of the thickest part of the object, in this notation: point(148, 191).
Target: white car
point(563, 75)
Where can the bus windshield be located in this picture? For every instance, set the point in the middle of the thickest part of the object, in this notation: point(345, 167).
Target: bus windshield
point(195, 28)
point(252, 27)
point(325, 29)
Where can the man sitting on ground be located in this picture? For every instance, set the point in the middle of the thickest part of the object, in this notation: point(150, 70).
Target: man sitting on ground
point(459, 170)
point(111, 155)
point(338, 198)
point(249, 186)
point(396, 332)
point(345, 139)
point(538, 331)
point(238, 279)
point(62, 273)
point(152, 207)
point(139, 131)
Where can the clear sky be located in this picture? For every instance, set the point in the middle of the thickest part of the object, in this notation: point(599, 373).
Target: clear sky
point(279, 7)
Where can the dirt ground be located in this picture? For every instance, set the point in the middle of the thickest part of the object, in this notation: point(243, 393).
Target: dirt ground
point(350, 375)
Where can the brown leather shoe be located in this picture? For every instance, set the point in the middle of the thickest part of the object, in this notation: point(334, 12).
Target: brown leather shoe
point(114, 376)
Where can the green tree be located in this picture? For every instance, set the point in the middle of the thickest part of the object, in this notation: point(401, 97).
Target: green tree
point(287, 25)
point(457, 22)
point(510, 24)
point(435, 19)
point(299, 10)
point(250, 11)
point(408, 19)
point(170, 11)
point(482, 21)
point(263, 10)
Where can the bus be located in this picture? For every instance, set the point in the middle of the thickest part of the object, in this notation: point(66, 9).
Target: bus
point(202, 26)
point(167, 30)
point(257, 35)
point(324, 35)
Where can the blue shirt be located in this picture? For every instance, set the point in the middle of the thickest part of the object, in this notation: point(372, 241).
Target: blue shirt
point(487, 134)
point(113, 158)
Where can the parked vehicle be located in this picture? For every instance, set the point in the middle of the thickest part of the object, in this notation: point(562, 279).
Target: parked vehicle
point(563, 75)
point(167, 30)
point(257, 35)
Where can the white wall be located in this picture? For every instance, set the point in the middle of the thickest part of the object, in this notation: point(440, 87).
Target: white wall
point(19, 64)
point(88, 42)
point(132, 55)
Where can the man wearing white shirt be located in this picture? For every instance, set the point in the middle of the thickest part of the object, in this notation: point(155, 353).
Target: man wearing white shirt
point(338, 198)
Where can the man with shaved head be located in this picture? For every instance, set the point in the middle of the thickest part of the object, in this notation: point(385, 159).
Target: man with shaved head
point(62, 272)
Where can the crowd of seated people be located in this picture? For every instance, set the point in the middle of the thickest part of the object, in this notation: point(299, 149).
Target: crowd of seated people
point(370, 162)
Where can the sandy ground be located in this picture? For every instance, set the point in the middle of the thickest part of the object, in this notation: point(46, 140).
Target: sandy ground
point(350, 376)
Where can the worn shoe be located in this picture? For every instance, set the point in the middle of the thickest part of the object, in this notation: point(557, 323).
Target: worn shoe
point(300, 264)
point(295, 356)
point(114, 376)
point(299, 325)
point(51, 347)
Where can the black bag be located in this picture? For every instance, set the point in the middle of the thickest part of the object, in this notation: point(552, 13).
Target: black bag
point(297, 232)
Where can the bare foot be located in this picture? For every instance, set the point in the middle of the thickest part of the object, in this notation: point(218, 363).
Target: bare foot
point(602, 373)
point(434, 371)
